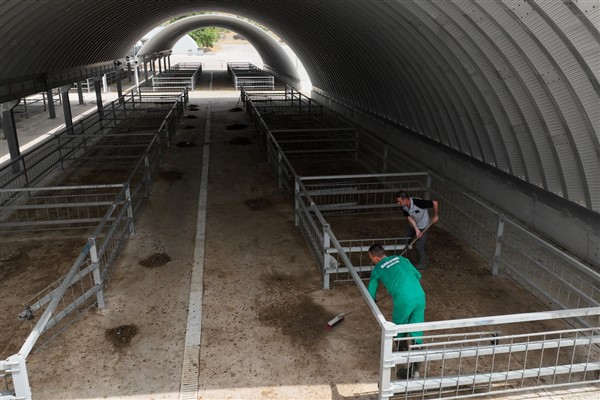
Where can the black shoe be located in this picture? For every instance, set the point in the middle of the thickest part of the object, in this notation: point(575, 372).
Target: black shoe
point(402, 373)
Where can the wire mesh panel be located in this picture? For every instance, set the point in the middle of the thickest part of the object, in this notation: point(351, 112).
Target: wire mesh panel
point(73, 292)
point(58, 208)
point(362, 194)
point(456, 360)
point(310, 227)
point(303, 143)
point(472, 221)
point(559, 281)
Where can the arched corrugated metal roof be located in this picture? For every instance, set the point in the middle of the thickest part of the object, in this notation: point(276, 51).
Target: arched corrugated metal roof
point(513, 83)
point(270, 51)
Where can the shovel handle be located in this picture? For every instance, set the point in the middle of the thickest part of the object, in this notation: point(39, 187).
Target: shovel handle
point(415, 239)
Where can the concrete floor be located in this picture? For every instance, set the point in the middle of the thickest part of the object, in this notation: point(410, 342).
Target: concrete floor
point(263, 309)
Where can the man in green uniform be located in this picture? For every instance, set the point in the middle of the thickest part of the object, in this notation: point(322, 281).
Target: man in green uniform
point(402, 281)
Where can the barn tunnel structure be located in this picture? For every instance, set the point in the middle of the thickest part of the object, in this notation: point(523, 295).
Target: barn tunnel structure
point(500, 97)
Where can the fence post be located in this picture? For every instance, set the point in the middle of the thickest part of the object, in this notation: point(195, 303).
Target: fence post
point(326, 245)
point(16, 367)
point(112, 104)
point(280, 168)
point(129, 209)
point(296, 201)
point(428, 187)
point(385, 366)
point(147, 176)
point(497, 253)
point(96, 272)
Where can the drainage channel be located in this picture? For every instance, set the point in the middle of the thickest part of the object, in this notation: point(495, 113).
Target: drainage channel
point(191, 354)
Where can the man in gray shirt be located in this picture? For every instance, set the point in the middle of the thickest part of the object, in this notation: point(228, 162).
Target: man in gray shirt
point(415, 210)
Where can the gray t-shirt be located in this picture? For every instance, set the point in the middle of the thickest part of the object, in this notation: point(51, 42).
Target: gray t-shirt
point(418, 211)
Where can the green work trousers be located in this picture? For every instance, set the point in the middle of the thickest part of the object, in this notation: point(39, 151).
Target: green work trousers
point(410, 312)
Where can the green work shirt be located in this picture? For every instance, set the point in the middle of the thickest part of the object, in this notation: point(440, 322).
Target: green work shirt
point(399, 277)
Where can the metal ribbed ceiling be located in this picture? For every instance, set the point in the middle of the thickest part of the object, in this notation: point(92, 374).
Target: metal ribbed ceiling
point(512, 83)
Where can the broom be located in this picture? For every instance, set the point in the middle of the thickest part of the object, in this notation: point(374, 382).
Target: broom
point(340, 317)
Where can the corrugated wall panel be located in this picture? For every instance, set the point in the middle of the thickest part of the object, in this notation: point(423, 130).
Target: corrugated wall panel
point(458, 80)
point(565, 90)
point(527, 90)
point(467, 54)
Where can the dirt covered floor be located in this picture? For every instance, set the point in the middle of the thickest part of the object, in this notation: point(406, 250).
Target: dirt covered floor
point(263, 310)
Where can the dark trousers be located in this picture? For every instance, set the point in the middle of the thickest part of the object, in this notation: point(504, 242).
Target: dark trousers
point(419, 245)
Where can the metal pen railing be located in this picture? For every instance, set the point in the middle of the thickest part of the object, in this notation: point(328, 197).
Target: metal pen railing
point(83, 285)
point(459, 360)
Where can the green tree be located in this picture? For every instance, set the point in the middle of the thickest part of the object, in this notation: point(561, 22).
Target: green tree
point(204, 37)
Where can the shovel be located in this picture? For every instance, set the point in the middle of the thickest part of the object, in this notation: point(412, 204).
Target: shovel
point(415, 239)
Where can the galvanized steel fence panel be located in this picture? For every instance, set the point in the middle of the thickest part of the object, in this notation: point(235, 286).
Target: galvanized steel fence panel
point(82, 287)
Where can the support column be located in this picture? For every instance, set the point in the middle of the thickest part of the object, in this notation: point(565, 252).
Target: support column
point(146, 70)
point(159, 66)
point(165, 63)
point(98, 90)
point(80, 93)
point(66, 103)
point(119, 85)
point(104, 84)
point(10, 132)
point(136, 76)
point(169, 60)
point(51, 110)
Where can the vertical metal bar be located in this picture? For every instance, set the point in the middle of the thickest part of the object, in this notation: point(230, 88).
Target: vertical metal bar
point(498, 251)
point(96, 271)
point(296, 201)
point(280, 168)
point(326, 245)
point(385, 368)
point(147, 176)
point(428, 187)
point(80, 93)
point(510, 352)
point(557, 359)
point(18, 371)
point(119, 85)
point(51, 109)
point(130, 208)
